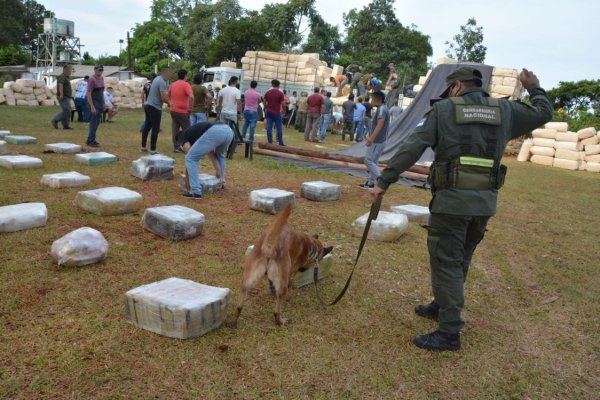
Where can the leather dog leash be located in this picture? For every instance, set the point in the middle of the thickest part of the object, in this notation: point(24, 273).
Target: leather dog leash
point(375, 207)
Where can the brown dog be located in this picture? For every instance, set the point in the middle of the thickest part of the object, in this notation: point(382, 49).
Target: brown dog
point(279, 253)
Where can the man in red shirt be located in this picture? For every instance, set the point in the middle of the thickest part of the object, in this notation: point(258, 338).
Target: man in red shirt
point(182, 101)
point(313, 119)
point(273, 100)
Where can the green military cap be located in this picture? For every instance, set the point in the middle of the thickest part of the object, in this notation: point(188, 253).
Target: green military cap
point(461, 74)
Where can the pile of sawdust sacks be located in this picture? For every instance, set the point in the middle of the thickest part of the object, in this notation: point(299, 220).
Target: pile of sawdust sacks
point(33, 93)
point(553, 145)
point(301, 69)
point(505, 83)
point(27, 92)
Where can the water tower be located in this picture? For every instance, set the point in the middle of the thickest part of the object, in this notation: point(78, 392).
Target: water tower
point(57, 45)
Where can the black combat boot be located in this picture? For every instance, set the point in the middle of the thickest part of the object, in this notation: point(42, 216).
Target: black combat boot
point(437, 340)
point(430, 310)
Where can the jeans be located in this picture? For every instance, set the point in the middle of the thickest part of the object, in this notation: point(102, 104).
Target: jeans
point(95, 121)
point(372, 161)
point(198, 117)
point(274, 119)
point(250, 120)
point(64, 116)
point(83, 111)
point(313, 125)
point(179, 123)
point(325, 125)
point(229, 116)
point(368, 125)
point(153, 117)
point(301, 121)
point(348, 129)
point(216, 139)
point(358, 130)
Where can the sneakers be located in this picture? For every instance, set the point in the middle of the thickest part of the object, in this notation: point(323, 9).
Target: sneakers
point(366, 186)
point(68, 128)
point(93, 144)
point(143, 149)
point(177, 149)
point(429, 311)
point(191, 196)
point(440, 341)
point(153, 152)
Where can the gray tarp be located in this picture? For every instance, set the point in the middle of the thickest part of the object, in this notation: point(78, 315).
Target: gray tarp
point(404, 125)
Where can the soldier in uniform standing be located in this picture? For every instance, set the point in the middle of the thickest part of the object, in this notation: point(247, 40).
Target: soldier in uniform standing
point(468, 131)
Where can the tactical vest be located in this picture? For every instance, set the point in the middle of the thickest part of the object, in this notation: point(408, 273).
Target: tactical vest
point(471, 171)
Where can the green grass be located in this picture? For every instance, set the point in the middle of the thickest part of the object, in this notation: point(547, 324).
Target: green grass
point(63, 332)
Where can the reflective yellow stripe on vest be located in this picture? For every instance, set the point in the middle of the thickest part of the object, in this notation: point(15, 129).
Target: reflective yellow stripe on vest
point(476, 161)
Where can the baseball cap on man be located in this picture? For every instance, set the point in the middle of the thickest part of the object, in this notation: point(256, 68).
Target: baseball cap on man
point(99, 66)
point(462, 74)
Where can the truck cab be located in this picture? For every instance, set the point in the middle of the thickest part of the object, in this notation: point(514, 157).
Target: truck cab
point(218, 77)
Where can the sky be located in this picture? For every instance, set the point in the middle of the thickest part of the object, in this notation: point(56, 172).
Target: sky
point(557, 39)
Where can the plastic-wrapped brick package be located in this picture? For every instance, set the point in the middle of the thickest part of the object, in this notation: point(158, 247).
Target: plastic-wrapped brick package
point(20, 139)
point(173, 222)
point(209, 183)
point(63, 148)
point(177, 308)
point(320, 191)
point(4, 134)
point(20, 162)
point(109, 201)
point(542, 160)
point(18, 217)
point(83, 246)
point(65, 180)
point(98, 158)
point(388, 226)
point(271, 200)
point(156, 167)
point(3, 147)
point(566, 164)
point(542, 151)
point(413, 212)
point(525, 151)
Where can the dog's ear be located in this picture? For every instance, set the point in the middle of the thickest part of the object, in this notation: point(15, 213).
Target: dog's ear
point(327, 250)
point(316, 237)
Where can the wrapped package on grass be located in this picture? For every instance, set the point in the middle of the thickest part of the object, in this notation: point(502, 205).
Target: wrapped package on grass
point(566, 164)
point(18, 217)
point(3, 147)
point(156, 167)
point(593, 158)
point(388, 226)
point(418, 214)
point(83, 246)
point(542, 160)
point(574, 146)
point(567, 137)
point(542, 151)
point(4, 133)
point(20, 139)
point(557, 126)
point(541, 142)
point(320, 191)
point(591, 141)
point(271, 200)
point(20, 162)
point(569, 155)
point(525, 151)
point(177, 308)
point(308, 276)
point(209, 183)
point(62, 148)
point(97, 158)
point(544, 133)
point(592, 166)
point(174, 222)
point(586, 133)
point(109, 201)
point(65, 180)
point(592, 149)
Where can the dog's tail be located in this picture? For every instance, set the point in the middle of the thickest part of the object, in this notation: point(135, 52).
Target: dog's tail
point(269, 246)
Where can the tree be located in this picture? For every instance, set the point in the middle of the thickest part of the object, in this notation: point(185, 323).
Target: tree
point(289, 21)
point(33, 21)
point(324, 39)
point(174, 12)
point(575, 97)
point(13, 55)
point(155, 43)
point(11, 22)
point(375, 38)
point(468, 44)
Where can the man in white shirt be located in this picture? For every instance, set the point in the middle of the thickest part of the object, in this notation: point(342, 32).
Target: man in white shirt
point(230, 101)
point(109, 105)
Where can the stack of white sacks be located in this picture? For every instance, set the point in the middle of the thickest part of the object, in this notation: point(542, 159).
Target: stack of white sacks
point(126, 94)
point(554, 145)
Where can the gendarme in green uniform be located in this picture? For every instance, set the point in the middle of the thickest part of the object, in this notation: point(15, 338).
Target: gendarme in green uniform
point(468, 135)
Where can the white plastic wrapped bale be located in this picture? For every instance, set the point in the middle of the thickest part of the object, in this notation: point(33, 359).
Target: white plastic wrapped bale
point(586, 133)
point(544, 133)
point(388, 226)
point(558, 126)
point(18, 217)
point(566, 164)
point(20, 139)
point(567, 137)
point(156, 167)
point(542, 151)
point(525, 151)
point(109, 201)
point(593, 159)
point(592, 149)
point(63, 148)
point(573, 146)
point(3, 147)
point(174, 222)
point(320, 191)
point(592, 166)
point(541, 142)
point(418, 214)
point(65, 180)
point(569, 155)
point(209, 183)
point(307, 277)
point(97, 158)
point(271, 200)
point(591, 141)
point(20, 162)
point(83, 246)
point(542, 160)
point(4, 134)
point(177, 308)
